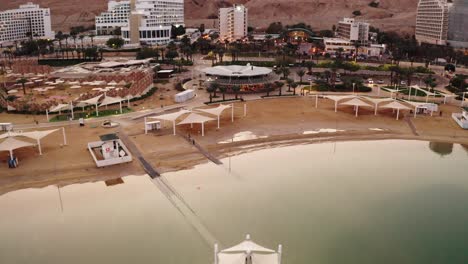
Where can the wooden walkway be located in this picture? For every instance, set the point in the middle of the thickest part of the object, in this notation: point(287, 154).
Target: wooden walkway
point(411, 125)
point(203, 151)
point(171, 193)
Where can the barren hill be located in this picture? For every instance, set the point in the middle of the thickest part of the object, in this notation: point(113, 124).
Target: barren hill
point(321, 14)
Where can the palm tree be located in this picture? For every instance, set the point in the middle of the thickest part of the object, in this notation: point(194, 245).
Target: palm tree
point(81, 39)
point(66, 36)
point(91, 36)
point(301, 74)
point(289, 81)
point(285, 72)
point(214, 86)
point(23, 82)
point(279, 85)
point(294, 86)
point(223, 90)
point(268, 88)
point(236, 89)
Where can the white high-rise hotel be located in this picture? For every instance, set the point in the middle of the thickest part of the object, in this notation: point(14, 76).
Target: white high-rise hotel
point(148, 21)
point(233, 22)
point(18, 24)
point(354, 31)
point(432, 21)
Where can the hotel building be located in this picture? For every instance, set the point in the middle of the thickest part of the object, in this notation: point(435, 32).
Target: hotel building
point(114, 18)
point(353, 31)
point(432, 21)
point(458, 24)
point(26, 21)
point(148, 21)
point(233, 22)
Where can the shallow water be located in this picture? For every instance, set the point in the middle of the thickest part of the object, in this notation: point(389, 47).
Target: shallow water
point(349, 202)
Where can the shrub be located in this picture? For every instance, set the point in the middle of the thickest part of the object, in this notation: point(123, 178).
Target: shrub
point(357, 13)
point(374, 4)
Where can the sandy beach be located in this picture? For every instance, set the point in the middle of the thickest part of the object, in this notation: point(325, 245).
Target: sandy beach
point(269, 123)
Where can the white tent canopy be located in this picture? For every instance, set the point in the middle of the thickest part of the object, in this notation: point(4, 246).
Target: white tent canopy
point(36, 135)
point(217, 111)
point(112, 100)
point(59, 108)
point(396, 106)
point(248, 252)
point(93, 101)
point(377, 101)
point(11, 144)
point(356, 103)
point(338, 98)
point(172, 117)
point(196, 118)
point(417, 88)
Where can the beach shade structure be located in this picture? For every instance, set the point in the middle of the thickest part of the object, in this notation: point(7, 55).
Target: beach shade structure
point(59, 108)
point(392, 91)
point(377, 101)
point(247, 252)
point(172, 117)
point(112, 83)
point(93, 101)
point(395, 105)
point(11, 144)
point(112, 100)
point(356, 103)
point(417, 88)
point(193, 118)
point(36, 135)
point(338, 98)
point(217, 111)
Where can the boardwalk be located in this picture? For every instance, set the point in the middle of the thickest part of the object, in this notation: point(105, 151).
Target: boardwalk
point(411, 125)
point(170, 192)
point(203, 151)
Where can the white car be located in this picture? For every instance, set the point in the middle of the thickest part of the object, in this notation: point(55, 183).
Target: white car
point(370, 81)
point(380, 82)
point(403, 83)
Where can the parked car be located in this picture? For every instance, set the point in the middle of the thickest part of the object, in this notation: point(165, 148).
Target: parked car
point(370, 81)
point(380, 82)
point(403, 83)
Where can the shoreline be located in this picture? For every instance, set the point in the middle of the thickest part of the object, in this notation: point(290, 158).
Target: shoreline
point(269, 124)
point(226, 150)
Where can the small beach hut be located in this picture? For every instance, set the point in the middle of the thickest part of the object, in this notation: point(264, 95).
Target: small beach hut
point(247, 252)
point(356, 103)
point(196, 119)
point(217, 111)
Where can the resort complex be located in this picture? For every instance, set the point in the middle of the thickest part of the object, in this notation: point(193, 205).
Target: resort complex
point(153, 134)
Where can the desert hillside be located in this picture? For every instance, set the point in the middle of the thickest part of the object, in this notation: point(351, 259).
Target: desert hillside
point(321, 14)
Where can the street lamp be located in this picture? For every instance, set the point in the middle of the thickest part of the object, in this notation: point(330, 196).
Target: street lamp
point(354, 84)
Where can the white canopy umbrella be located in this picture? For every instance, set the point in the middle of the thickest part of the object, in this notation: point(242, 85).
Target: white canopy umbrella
point(224, 258)
point(247, 246)
point(377, 101)
point(11, 144)
point(112, 100)
point(396, 106)
point(338, 98)
point(196, 118)
point(172, 117)
point(356, 103)
point(417, 88)
point(59, 108)
point(217, 111)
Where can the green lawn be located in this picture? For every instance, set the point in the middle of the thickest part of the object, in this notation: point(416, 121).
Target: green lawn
point(90, 114)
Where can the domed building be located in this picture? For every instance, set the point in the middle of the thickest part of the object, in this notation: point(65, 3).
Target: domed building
point(249, 78)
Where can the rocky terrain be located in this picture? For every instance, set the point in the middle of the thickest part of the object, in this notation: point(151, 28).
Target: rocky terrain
point(399, 15)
